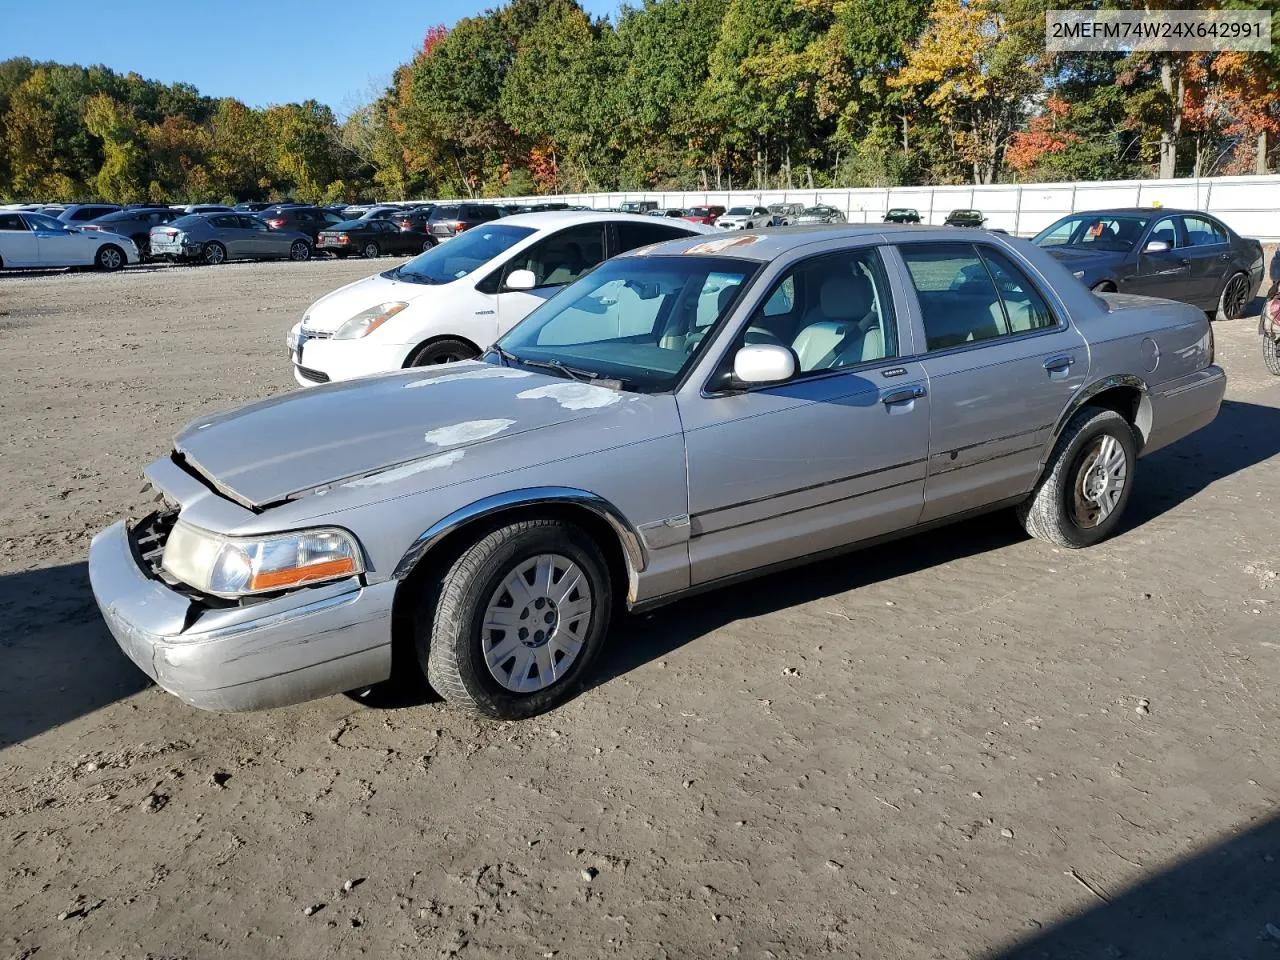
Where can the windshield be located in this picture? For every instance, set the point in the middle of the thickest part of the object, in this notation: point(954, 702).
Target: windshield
point(638, 320)
point(740, 212)
point(465, 253)
point(1101, 232)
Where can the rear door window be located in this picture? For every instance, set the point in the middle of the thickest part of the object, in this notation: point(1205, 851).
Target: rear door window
point(632, 235)
point(958, 300)
point(1200, 232)
point(11, 222)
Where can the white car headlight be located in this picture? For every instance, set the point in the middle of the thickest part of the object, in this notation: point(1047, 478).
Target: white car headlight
point(240, 566)
point(367, 321)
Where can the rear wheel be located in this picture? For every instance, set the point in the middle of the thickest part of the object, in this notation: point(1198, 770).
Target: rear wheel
point(519, 618)
point(427, 245)
point(301, 250)
point(1083, 493)
point(442, 351)
point(214, 254)
point(1235, 298)
point(109, 258)
point(370, 250)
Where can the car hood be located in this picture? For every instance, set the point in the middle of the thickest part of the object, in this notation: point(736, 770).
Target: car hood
point(1084, 259)
point(297, 442)
point(334, 309)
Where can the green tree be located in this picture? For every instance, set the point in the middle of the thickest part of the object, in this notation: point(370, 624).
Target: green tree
point(120, 179)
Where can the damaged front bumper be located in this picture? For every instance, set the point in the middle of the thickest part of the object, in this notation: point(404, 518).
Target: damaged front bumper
point(294, 647)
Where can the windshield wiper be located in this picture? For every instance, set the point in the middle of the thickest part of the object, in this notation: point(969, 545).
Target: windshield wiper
point(576, 373)
point(506, 356)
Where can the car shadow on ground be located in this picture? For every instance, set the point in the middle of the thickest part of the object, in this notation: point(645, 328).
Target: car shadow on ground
point(59, 660)
point(1242, 435)
point(1223, 902)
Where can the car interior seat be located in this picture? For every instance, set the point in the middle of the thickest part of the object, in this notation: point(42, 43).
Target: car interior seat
point(835, 330)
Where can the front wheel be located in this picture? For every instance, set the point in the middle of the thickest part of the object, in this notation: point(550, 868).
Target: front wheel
point(370, 250)
point(109, 258)
point(214, 254)
point(1083, 493)
point(518, 621)
point(427, 245)
point(301, 250)
point(442, 351)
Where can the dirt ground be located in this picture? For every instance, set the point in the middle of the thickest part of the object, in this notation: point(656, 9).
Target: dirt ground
point(966, 744)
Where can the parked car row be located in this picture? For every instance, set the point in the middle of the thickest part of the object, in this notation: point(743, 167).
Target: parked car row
point(699, 408)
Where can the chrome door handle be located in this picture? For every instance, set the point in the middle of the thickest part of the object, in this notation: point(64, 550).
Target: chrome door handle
point(905, 395)
point(1055, 364)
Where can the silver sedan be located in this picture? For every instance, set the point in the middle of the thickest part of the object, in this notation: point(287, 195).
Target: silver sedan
point(214, 238)
point(682, 417)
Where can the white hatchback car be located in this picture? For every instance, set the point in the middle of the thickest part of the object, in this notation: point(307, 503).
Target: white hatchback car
point(453, 301)
point(34, 240)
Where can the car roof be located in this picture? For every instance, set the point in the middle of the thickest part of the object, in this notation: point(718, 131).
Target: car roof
point(552, 219)
point(770, 243)
point(1137, 211)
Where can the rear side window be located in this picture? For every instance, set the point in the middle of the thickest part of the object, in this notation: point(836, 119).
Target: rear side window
point(1203, 233)
point(226, 223)
point(967, 296)
point(11, 221)
point(632, 235)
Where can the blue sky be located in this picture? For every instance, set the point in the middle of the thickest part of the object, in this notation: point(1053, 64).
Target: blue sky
point(259, 52)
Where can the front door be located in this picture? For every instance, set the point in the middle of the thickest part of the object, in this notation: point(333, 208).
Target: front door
point(555, 261)
point(17, 242)
point(1001, 367)
point(1164, 274)
point(834, 455)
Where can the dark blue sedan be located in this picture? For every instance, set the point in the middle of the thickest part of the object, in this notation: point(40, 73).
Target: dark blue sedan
point(1158, 252)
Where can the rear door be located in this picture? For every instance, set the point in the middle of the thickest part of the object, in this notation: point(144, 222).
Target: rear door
point(227, 231)
point(1002, 364)
point(17, 242)
point(1207, 249)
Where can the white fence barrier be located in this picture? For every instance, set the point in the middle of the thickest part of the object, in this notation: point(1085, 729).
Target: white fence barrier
point(1249, 205)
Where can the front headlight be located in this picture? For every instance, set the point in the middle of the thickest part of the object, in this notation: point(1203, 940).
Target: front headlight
point(367, 321)
point(239, 566)
point(1079, 274)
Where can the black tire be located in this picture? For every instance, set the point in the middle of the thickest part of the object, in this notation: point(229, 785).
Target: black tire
point(213, 254)
point(1052, 512)
point(109, 258)
point(442, 351)
point(449, 633)
point(370, 250)
point(299, 251)
point(1271, 354)
point(427, 245)
point(1234, 299)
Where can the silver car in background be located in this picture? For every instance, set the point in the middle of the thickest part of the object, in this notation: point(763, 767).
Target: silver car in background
point(684, 416)
point(213, 238)
point(820, 214)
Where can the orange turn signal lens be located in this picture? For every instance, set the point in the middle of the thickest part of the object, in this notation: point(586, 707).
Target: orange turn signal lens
point(279, 579)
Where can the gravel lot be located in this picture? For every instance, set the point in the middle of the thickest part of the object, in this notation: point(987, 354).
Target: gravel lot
point(947, 747)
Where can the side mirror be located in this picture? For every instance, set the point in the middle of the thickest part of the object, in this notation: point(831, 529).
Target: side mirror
point(763, 363)
point(1155, 246)
point(521, 280)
